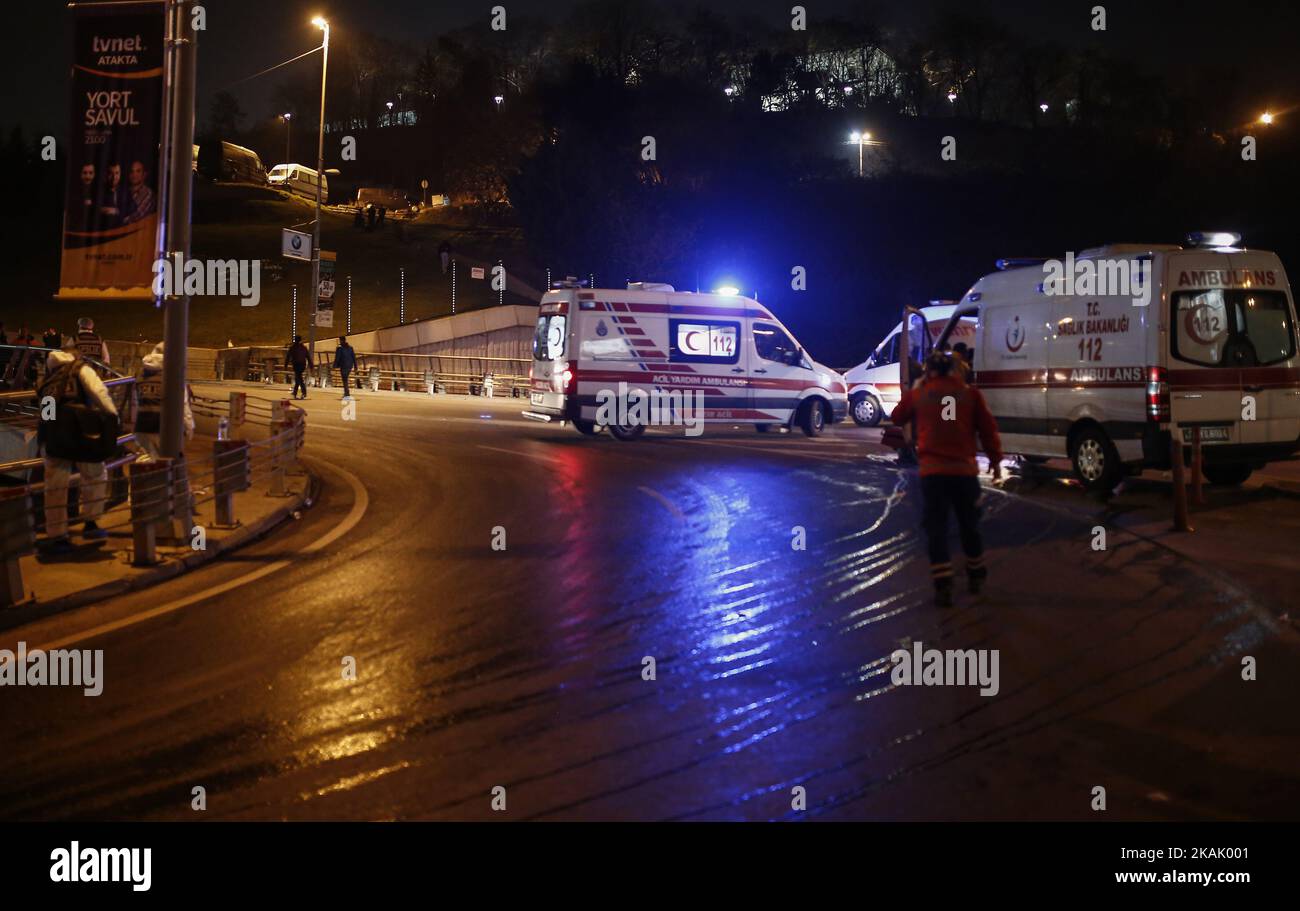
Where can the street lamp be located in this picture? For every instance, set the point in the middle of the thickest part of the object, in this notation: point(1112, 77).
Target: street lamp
point(952, 97)
point(320, 23)
point(286, 117)
point(1266, 118)
point(729, 91)
point(390, 112)
point(498, 99)
point(859, 139)
point(1043, 107)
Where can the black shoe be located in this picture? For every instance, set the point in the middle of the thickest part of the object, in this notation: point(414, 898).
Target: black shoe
point(93, 532)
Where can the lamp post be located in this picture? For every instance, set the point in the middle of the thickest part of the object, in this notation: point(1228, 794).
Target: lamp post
point(286, 116)
point(860, 139)
point(320, 23)
point(390, 113)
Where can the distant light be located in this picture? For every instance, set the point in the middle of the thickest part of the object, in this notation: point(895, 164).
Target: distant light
point(1043, 107)
point(727, 291)
point(848, 90)
point(287, 115)
point(390, 105)
point(319, 22)
point(866, 137)
point(498, 98)
point(729, 90)
point(855, 136)
point(952, 96)
point(1266, 118)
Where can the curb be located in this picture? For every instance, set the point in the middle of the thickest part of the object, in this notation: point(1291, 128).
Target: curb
point(170, 569)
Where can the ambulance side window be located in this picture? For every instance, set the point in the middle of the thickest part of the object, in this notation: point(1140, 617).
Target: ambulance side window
point(888, 352)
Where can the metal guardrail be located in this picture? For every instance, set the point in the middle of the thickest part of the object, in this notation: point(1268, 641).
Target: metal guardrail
point(153, 494)
point(446, 373)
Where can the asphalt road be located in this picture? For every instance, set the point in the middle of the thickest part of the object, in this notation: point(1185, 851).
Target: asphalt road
point(524, 667)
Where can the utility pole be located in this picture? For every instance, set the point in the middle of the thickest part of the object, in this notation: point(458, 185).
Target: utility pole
point(320, 177)
point(179, 84)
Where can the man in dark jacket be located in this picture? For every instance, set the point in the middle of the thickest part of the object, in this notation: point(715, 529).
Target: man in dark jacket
point(298, 358)
point(345, 359)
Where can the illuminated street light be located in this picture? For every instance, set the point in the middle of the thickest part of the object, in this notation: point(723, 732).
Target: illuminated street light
point(320, 23)
point(286, 117)
point(1266, 118)
point(498, 99)
point(952, 97)
point(860, 140)
point(1043, 107)
point(729, 90)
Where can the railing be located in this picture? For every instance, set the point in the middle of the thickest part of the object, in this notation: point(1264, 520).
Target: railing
point(154, 496)
point(444, 373)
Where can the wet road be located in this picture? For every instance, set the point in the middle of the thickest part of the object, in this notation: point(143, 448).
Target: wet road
point(524, 667)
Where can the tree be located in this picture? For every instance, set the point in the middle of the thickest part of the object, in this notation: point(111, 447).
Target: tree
point(225, 115)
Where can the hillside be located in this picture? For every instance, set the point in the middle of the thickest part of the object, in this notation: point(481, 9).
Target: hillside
point(244, 222)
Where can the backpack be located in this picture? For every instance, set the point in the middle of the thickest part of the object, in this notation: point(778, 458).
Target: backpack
point(79, 432)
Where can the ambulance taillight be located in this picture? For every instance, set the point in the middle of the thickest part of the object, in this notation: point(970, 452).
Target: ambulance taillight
point(1157, 394)
point(569, 380)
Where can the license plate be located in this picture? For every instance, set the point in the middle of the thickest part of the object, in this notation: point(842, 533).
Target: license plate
point(1208, 434)
point(535, 398)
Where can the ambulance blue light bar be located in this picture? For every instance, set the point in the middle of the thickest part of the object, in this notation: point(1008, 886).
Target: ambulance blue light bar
point(727, 290)
point(1019, 262)
point(1214, 238)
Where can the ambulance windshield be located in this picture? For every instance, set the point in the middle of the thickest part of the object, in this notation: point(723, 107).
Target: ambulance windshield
point(1232, 327)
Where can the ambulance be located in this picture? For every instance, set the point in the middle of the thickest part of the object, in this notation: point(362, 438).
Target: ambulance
point(874, 387)
point(729, 349)
point(1074, 366)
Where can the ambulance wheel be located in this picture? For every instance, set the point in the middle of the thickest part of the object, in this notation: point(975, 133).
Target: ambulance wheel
point(813, 419)
point(1231, 474)
point(626, 434)
point(1096, 461)
point(586, 428)
point(865, 409)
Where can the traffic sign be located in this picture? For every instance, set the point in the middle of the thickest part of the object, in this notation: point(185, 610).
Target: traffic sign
point(295, 244)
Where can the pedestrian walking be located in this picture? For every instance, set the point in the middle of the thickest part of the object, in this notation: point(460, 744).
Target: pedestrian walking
point(81, 436)
point(298, 358)
point(949, 415)
point(89, 343)
point(345, 359)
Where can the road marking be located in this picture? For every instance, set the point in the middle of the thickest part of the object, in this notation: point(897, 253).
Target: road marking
point(667, 503)
point(526, 455)
point(361, 501)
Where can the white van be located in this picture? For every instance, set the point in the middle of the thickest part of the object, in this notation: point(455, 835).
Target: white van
point(730, 349)
point(874, 385)
point(299, 180)
point(1092, 377)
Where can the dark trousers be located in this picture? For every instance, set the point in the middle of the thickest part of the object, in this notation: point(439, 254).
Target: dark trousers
point(959, 494)
point(298, 380)
point(345, 371)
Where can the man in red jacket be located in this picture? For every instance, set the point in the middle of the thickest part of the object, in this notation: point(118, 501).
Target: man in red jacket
point(949, 415)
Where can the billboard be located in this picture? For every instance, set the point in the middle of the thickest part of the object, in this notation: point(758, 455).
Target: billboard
point(110, 220)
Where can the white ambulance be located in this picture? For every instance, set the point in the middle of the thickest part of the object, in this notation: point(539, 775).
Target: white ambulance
point(729, 348)
point(874, 385)
point(1092, 377)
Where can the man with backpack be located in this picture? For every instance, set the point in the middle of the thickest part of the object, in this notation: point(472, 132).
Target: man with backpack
point(78, 431)
point(298, 358)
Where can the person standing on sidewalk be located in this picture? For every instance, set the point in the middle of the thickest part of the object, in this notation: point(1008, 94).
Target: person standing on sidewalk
point(147, 422)
point(81, 403)
point(949, 416)
point(298, 358)
point(89, 342)
point(345, 359)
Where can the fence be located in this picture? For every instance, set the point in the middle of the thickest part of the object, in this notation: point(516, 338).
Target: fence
point(443, 373)
point(156, 497)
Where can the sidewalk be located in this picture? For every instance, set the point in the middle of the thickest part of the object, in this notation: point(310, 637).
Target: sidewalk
point(103, 569)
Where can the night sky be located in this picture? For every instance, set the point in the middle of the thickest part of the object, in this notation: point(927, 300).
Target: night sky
point(245, 36)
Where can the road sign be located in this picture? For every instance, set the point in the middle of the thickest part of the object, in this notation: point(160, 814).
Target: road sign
point(476, 272)
point(424, 185)
point(295, 244)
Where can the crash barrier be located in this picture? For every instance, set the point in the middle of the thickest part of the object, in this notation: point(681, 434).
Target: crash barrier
point(457, 374)
point(156, 497)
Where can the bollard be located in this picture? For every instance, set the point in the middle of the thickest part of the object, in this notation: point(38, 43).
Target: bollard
point(17, 538)
point(374, 379)
point(1181, 520)
point(1198, 491)
point(269, 377)
point(230, 474)
point(280, 412)
point(151, 502)
point(428, 382)
point(238, 408)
